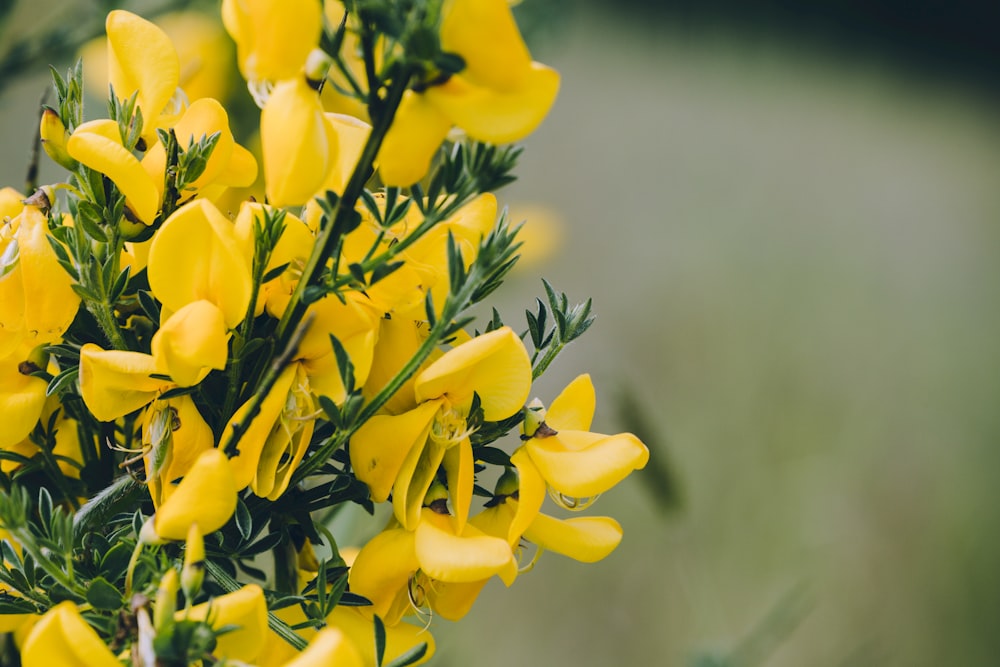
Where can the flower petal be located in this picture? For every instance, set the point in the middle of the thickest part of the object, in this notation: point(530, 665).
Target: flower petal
point(495, 365)
point(417, 131)
point(573, 409)
point(380, 446)
point(61, 637)
point(141, 58)
point(114, 383)
point(487, 114)
point(591, 470)
point(449, 557)
point(330, 647)
point(399, 637)
point(485, 34)
point(98, 145)
point(587, 539)
point(196, 255)
point(298, 143)
point(192, 342)
point(206, 496)
point(381, 572)
point(246, 609)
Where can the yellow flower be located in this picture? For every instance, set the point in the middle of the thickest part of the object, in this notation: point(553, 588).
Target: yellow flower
point(98, 145)
point(197, 255)
point(273, 37)
point(245, 610)
point(500, 96)
point(205, 496)
point(61, 637)
point(22, 398)
point(299, 143)
point(406, 450)
point(400, 569)
point(202, 48)
point(37, 301)
point(229, 164)
point(192, 342)
point(330, 647)
point(576, 463)
point(114, 383)
point(174, 435)
point(143, 61)
point(277, 438)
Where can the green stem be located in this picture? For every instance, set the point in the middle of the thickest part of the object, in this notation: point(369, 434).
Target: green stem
point(230, 585)
point(27, 541)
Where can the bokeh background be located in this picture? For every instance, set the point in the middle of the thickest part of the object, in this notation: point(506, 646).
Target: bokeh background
point(788, 220)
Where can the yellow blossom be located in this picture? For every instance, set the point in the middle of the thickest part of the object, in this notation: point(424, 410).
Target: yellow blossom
point(575, 462)
point(196, 255)
point(245, 610)
point(37, 301)
point(98, 145)
point(143, 61)
point(495, 366)
point(299, 143)
point(273, 37)
point(205, 496)
point(191, 343)
point(500, 96)
point(174, 435)
point(61, 637)
point(114, 383)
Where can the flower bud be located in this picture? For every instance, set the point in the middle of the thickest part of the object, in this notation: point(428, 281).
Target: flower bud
point(193, 572)
point(166, 602)
point(54, 137)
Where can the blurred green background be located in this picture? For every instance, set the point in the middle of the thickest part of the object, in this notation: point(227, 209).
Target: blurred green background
point(791, 239)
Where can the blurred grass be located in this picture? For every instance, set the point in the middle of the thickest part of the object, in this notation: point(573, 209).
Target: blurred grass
point(793, 256)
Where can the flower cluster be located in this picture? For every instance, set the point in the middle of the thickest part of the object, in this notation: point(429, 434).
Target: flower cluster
point(206, 353)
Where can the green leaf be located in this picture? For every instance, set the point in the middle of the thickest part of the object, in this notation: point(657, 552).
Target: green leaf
point(244, 522)
point(102, 595)
point(379, 640)
point(411, 657)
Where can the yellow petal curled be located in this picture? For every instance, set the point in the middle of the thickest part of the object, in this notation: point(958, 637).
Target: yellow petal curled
point(495, 365)
point(587, 539)
point(113, 383)
point(581, 464)
point(192, 342)
point(206, 496)
point(573, 409)
point(98, 145)
point(61, 637)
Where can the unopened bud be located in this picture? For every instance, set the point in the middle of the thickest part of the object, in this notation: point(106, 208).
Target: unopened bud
point(166, 601)
point(54, 137)
point(193, 572)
